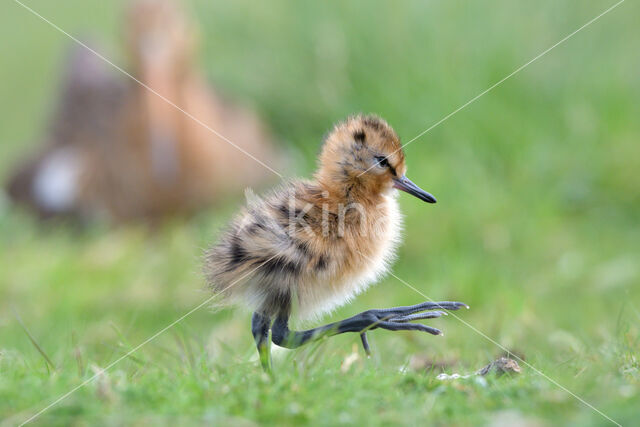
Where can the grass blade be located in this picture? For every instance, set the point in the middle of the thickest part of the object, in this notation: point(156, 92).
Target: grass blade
point(33, 340)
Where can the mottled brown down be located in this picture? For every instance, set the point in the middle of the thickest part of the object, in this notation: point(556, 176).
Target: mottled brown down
point(316, 242)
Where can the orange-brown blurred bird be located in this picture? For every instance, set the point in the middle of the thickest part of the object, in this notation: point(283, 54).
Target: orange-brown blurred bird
point(316, 244)
point(116, 150)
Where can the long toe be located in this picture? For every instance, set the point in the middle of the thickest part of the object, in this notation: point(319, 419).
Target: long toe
point(427, 305)
point(446, 305)
point(459, 305)
point(365, 343)
point(418, 316)
point(393, 326)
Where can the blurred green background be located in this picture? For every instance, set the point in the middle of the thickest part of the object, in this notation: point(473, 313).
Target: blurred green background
point(536, 226)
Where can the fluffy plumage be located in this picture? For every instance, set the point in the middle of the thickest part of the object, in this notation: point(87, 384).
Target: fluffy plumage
point(319, 242)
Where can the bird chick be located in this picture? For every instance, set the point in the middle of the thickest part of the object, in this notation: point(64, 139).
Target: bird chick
point(315, 244)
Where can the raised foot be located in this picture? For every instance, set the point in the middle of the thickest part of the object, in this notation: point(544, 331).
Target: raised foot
point(398, 318)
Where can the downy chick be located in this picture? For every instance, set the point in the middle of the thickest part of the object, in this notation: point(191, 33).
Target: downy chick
point(316, 244)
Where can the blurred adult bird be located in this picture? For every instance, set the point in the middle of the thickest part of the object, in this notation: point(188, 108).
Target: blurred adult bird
point(117, 150)
point(316, 244)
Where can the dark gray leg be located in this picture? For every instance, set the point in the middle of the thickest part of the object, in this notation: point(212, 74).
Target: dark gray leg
point(392, 319)
point(260, 325)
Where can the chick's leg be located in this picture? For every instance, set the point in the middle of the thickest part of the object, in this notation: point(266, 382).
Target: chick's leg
point(393, 319)
point(260, 325)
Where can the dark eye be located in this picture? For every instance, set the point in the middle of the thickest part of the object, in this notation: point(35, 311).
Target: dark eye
point(382, 161)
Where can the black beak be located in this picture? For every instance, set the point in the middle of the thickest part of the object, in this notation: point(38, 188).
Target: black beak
point(403, 183)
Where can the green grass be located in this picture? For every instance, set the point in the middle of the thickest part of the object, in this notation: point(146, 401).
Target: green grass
point(536, 225)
